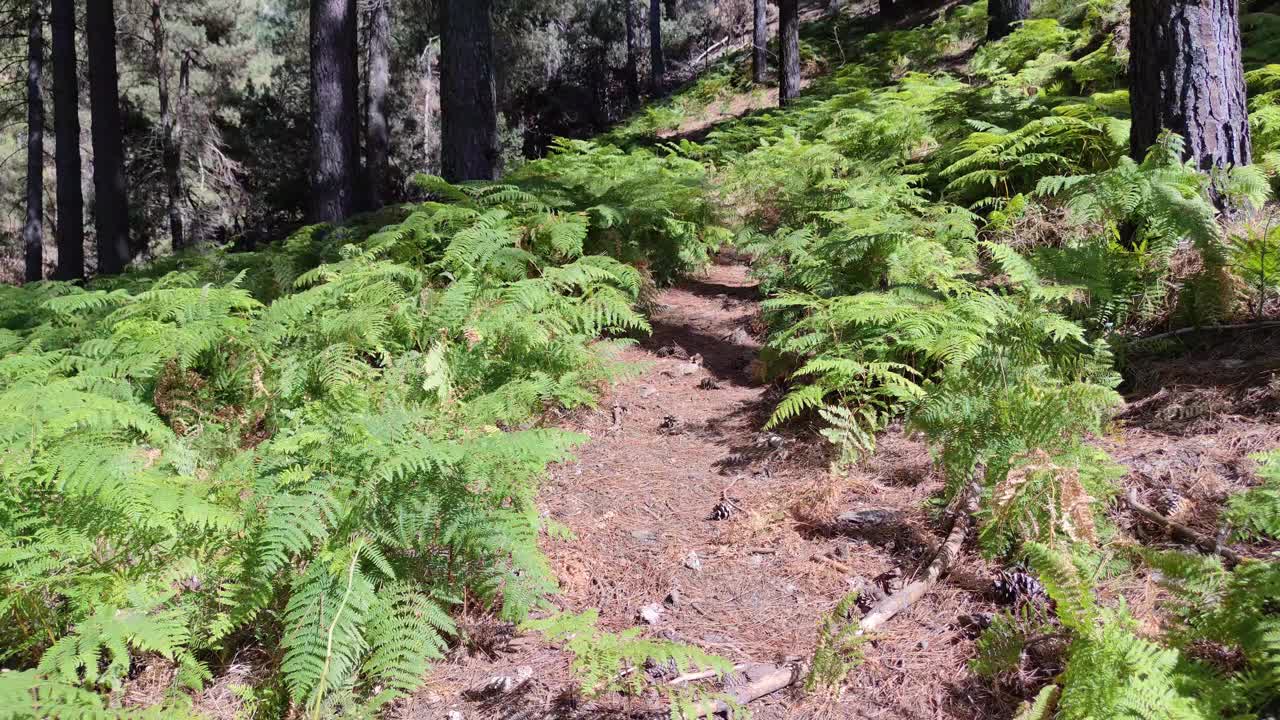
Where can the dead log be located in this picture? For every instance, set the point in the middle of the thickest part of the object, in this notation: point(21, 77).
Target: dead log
point(884, 610)
point(1181, 532)
point(761, 680)
point(1260, 325)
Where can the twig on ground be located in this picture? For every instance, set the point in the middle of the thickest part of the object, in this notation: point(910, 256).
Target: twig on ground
point(762, 680)
point(1181, 532)
point(884, 610)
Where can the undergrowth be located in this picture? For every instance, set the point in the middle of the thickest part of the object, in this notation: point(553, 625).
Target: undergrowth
point(951, 232)
point(324, 448)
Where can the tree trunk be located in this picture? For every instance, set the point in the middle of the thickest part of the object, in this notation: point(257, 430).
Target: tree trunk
point(66, 124)
point(429, 86)
point(377, 128)
point(1003, 15)
point(789, 37)
point(170, 150)
point(334, 109)
point(468, 93)
point(833, 7)
point(33, 229)
point(111, 197)
point(632, 80)
point(673, 9)
point(1186, 77)
point(657, 65)
point(760, 42)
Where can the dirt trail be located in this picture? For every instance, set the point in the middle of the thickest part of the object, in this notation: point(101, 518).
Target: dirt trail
point(667, 448)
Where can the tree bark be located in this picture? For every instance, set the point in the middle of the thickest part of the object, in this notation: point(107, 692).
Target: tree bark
point(657, 64)
point(377, 128)
point(632, 80)
point(760, 42)
point(468, 93)
point(1003, 15)
point(1186, 77)
point(111, 196)
point(33, 228)
point(334, 109)
point(170, 148)
point(789, 37)
point(66, 124)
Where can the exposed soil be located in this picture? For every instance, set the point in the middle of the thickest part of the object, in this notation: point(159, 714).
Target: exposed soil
point(667, 447)
point(681, 437)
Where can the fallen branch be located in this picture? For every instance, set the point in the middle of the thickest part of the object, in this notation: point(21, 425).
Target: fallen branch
point(884, 610)
point(1211, 328)
point(710, 50)
point(1181, 532)
point(766, 679)
point(704, 675)
point(762, 680)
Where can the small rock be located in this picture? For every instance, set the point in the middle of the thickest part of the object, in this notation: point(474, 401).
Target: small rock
point(696, 359)
point(651, 613)
point(645, 535)
point(689, 368)
point(692, 561)
point(923, 645)
point(739, 337)
point(673, 598)
point(648, 391)
point(454, 715)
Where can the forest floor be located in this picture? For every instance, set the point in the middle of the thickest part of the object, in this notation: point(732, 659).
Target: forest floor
point(682, 436)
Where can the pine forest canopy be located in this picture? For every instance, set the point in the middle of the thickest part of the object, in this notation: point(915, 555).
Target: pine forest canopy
point(296, 291)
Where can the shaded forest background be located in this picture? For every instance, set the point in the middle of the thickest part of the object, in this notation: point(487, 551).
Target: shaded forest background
point(236, 72)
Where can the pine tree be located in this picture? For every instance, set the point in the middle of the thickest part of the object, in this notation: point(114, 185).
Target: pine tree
point(468, 93)
point(111, 198)
point(789, 40)
point(657, 63)
point(377, 131)
point(1187, 77)
point(170, 133)
point(632, 81)
point(334, 154)
point(1003, 15)
point(66, 123)
point(760, 41)
point(33, 229)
